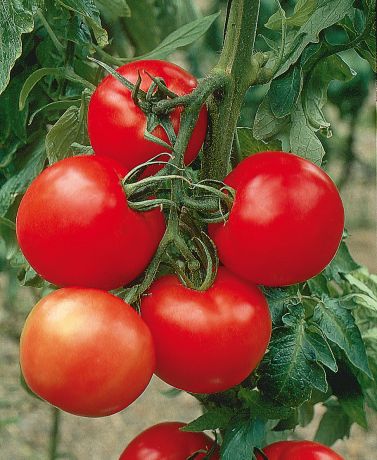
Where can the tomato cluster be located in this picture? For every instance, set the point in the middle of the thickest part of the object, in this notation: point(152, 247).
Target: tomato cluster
point(88, 352)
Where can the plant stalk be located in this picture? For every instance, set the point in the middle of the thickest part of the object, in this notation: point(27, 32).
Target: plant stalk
point(225, 107)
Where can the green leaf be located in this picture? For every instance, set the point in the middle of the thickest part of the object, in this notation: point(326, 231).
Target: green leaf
point(335, 424)
point(303, 139)
point(90, 13)
point(354, 406)
point(302, 12)
point(70, 128)
point(338, 325)
point(184, 36)
point(11, 118)
point(341, 263)
point(320, 348)
point(16, 185)
point(33, 79)
point(213, 419)
point(16, 18)
point(305, 413)
point(279, 299)
point(326, 14)
point(114, 8)
point(290, 377)
point(318, 285)
point(315, 93)
point(261, 407)
point(284, 92)
point(266, 125)
point(240, 438)
point(249, 145)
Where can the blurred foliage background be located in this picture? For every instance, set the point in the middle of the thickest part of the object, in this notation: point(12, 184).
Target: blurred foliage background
point(28, 428)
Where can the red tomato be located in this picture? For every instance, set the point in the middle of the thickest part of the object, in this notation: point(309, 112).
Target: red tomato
point(166, 442)
point(86, 352)
point(209, 341)
point(116, 125)
point(299, 450)
point(286, 222)
point(75, 228)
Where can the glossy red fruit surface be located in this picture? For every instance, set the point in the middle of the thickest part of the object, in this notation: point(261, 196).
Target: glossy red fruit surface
point(86, 352)
point(116, 125)
point(166, 442)
point(286, 223)
point(75, 227)
point(207, 341)
point(299, 450)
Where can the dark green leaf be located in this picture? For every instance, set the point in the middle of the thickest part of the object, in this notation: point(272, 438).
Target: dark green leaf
point(16, 18)
point(240, 438)
point(249, 145)
point(114, 8)
point(342, 263)
point(335, 424)
point(302, 12)
point(315, 94)
point(184, 36)
point(303, 139)
point(289, 377)
point(18, 183)
point(354, 406)
point(338, 325)
point(279, 299)
point(90, 13)
point(266, 125)
point(284, 92)
point(211, 420)
point(325, 15)
point(33, 79)
point(71, 127)
point(261, 407)
point(320, 348)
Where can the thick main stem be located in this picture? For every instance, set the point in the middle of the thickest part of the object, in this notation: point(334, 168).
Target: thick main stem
point(234, 63)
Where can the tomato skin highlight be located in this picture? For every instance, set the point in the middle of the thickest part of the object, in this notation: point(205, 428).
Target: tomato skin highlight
point(286, 223)
point(166, 442)
point(116, 125)
point(86, 352)
point(209, 341)
point(75, 227)
point(299, 450)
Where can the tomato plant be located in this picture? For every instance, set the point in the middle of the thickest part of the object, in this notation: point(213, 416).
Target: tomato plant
point(86, 352)
point(119, 170)
point(299, 450)
point(117, 125)
point(165, 441)
point(75, 227)
point(286, 222)
point(191, 329)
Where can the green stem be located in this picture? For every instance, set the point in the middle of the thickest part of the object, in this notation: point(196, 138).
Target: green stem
point(50, 32)
point(234, 64)
point(54, 434)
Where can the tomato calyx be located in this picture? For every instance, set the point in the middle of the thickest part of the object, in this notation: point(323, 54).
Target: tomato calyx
point(146, 100)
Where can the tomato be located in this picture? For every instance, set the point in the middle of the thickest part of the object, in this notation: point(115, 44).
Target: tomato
point(86, 352)
point(166, 442)
point(299, 450)
point(208, 341)
point(116, 125)
point(286, 222)
point(75, 228)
